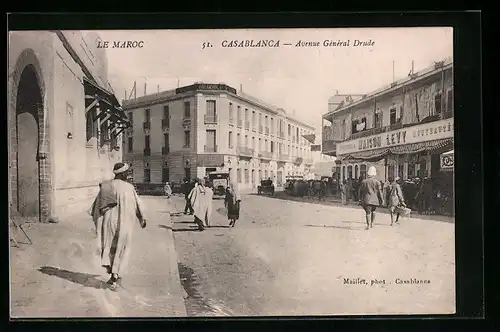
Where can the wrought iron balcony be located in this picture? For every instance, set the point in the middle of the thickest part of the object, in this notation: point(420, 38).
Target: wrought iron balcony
point(186, 121)
point(284, 157)
point(210, 119)
point(146, 125)
point(165, 150)
point(210, 149)
point(244, 151)
point(165, 123)
point(147, 152)
point(329, 147)
point(266, 155)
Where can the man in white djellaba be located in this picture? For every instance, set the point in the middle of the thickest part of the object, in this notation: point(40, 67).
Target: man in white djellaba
point(114, 211)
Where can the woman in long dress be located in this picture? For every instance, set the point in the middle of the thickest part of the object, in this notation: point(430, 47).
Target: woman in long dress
point(232, 203)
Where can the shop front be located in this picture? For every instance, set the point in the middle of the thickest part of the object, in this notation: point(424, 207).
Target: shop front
point(410, 152)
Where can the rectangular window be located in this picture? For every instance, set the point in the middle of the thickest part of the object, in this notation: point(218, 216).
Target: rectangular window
point(147, 115)
point(211, 112)
point(147, 142)
point(147, 175)
point(187, 173)
point(165, 175)
point(238, 175)
point(131, 117)
point(393, 116)
point(378, 119)
point(260, 119)
point(265, 145)
point(238, 140)
point(187, 139)
point(211, 136)
point(246, 114)
point(187, 110)
point(247, 175)
point(289, 130)
point(437, 103)
point(238, 115)
point(230, 140)
point(166, 140)
point(166, 112)
point(449, 100)
point(253, 143)
point(130, 144)
point(260, 144)
point(253, 118)
point(272, 126)
point(272, 147)
point(246, 140)
point(267, 121)
point(231, 110)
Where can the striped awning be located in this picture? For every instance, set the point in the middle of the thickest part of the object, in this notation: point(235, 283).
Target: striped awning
point(435, 146)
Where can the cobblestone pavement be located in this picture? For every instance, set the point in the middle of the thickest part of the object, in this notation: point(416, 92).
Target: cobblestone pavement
point(59, 275)
point(292, 258)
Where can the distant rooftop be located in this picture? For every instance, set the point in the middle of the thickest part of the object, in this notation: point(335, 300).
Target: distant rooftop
point(345, 101)
point(158, 97)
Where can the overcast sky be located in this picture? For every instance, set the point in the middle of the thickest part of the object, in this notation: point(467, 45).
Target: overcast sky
point(293, 78)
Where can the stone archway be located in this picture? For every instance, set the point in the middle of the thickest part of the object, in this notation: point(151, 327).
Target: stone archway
point(29, 148)
point(29, 100)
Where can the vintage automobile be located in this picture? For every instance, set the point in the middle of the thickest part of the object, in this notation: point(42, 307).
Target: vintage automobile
point(266, 187)
point(219, 181)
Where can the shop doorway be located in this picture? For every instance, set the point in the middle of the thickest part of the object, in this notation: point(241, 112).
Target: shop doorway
point(29, 100)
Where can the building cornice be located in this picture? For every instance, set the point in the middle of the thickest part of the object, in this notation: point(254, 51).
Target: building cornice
point(394, 87)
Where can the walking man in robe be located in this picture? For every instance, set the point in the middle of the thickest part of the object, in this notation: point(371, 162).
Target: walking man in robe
point(200, 199)
point(115, 210)
point(370, 195)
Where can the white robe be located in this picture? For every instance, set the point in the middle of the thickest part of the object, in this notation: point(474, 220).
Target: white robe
point(201, 201)
point(114, 226)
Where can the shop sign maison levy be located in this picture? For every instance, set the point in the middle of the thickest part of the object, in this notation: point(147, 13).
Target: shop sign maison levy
point(415, 134)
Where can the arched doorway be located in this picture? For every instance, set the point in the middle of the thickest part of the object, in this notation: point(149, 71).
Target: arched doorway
point(29, 100)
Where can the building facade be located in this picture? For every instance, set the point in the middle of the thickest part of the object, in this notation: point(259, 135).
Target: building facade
point(402, 129)
point(63, 122)
point(194, 130)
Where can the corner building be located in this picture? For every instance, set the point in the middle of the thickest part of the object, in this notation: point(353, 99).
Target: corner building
point(64, 122)
point(402, 129)
point(193, 130)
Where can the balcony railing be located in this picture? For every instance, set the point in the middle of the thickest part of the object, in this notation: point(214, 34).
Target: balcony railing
point(210, 119)
point(211, 149)
point(165, 123)
point(329, 146)
point(186, 121)
point(240, 123)
point(284, 157)
point(266, 155)
point(147, 152)
point(308, 161)
point(146, 125)
point(244, 151)
point(247, 125)
point(165, 150)
point(260, 129)
point(231, 121)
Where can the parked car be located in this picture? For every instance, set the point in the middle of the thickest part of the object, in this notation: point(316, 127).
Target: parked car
point(266, 187)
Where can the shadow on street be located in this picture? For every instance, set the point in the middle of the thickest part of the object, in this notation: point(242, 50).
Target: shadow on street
point(84, 279)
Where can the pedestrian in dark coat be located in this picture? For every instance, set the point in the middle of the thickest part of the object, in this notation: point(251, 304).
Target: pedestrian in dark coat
point(370, 196)
point(395, 199)
point(186, 189)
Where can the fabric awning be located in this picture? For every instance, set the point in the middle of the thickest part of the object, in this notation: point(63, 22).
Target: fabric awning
point(435, 146)
point(96, 95)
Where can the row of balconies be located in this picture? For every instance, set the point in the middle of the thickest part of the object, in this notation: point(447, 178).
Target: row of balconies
point(165, 123)
point(165, 150)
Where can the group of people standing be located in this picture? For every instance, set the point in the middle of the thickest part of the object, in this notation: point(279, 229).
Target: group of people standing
point(371, 195)
point(198, 195)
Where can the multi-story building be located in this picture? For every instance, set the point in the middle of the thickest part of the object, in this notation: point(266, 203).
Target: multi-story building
point(401, 129)
point(63, 120)
point(194, 130)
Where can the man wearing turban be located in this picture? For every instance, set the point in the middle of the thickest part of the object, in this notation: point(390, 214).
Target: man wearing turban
point(115, 210)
